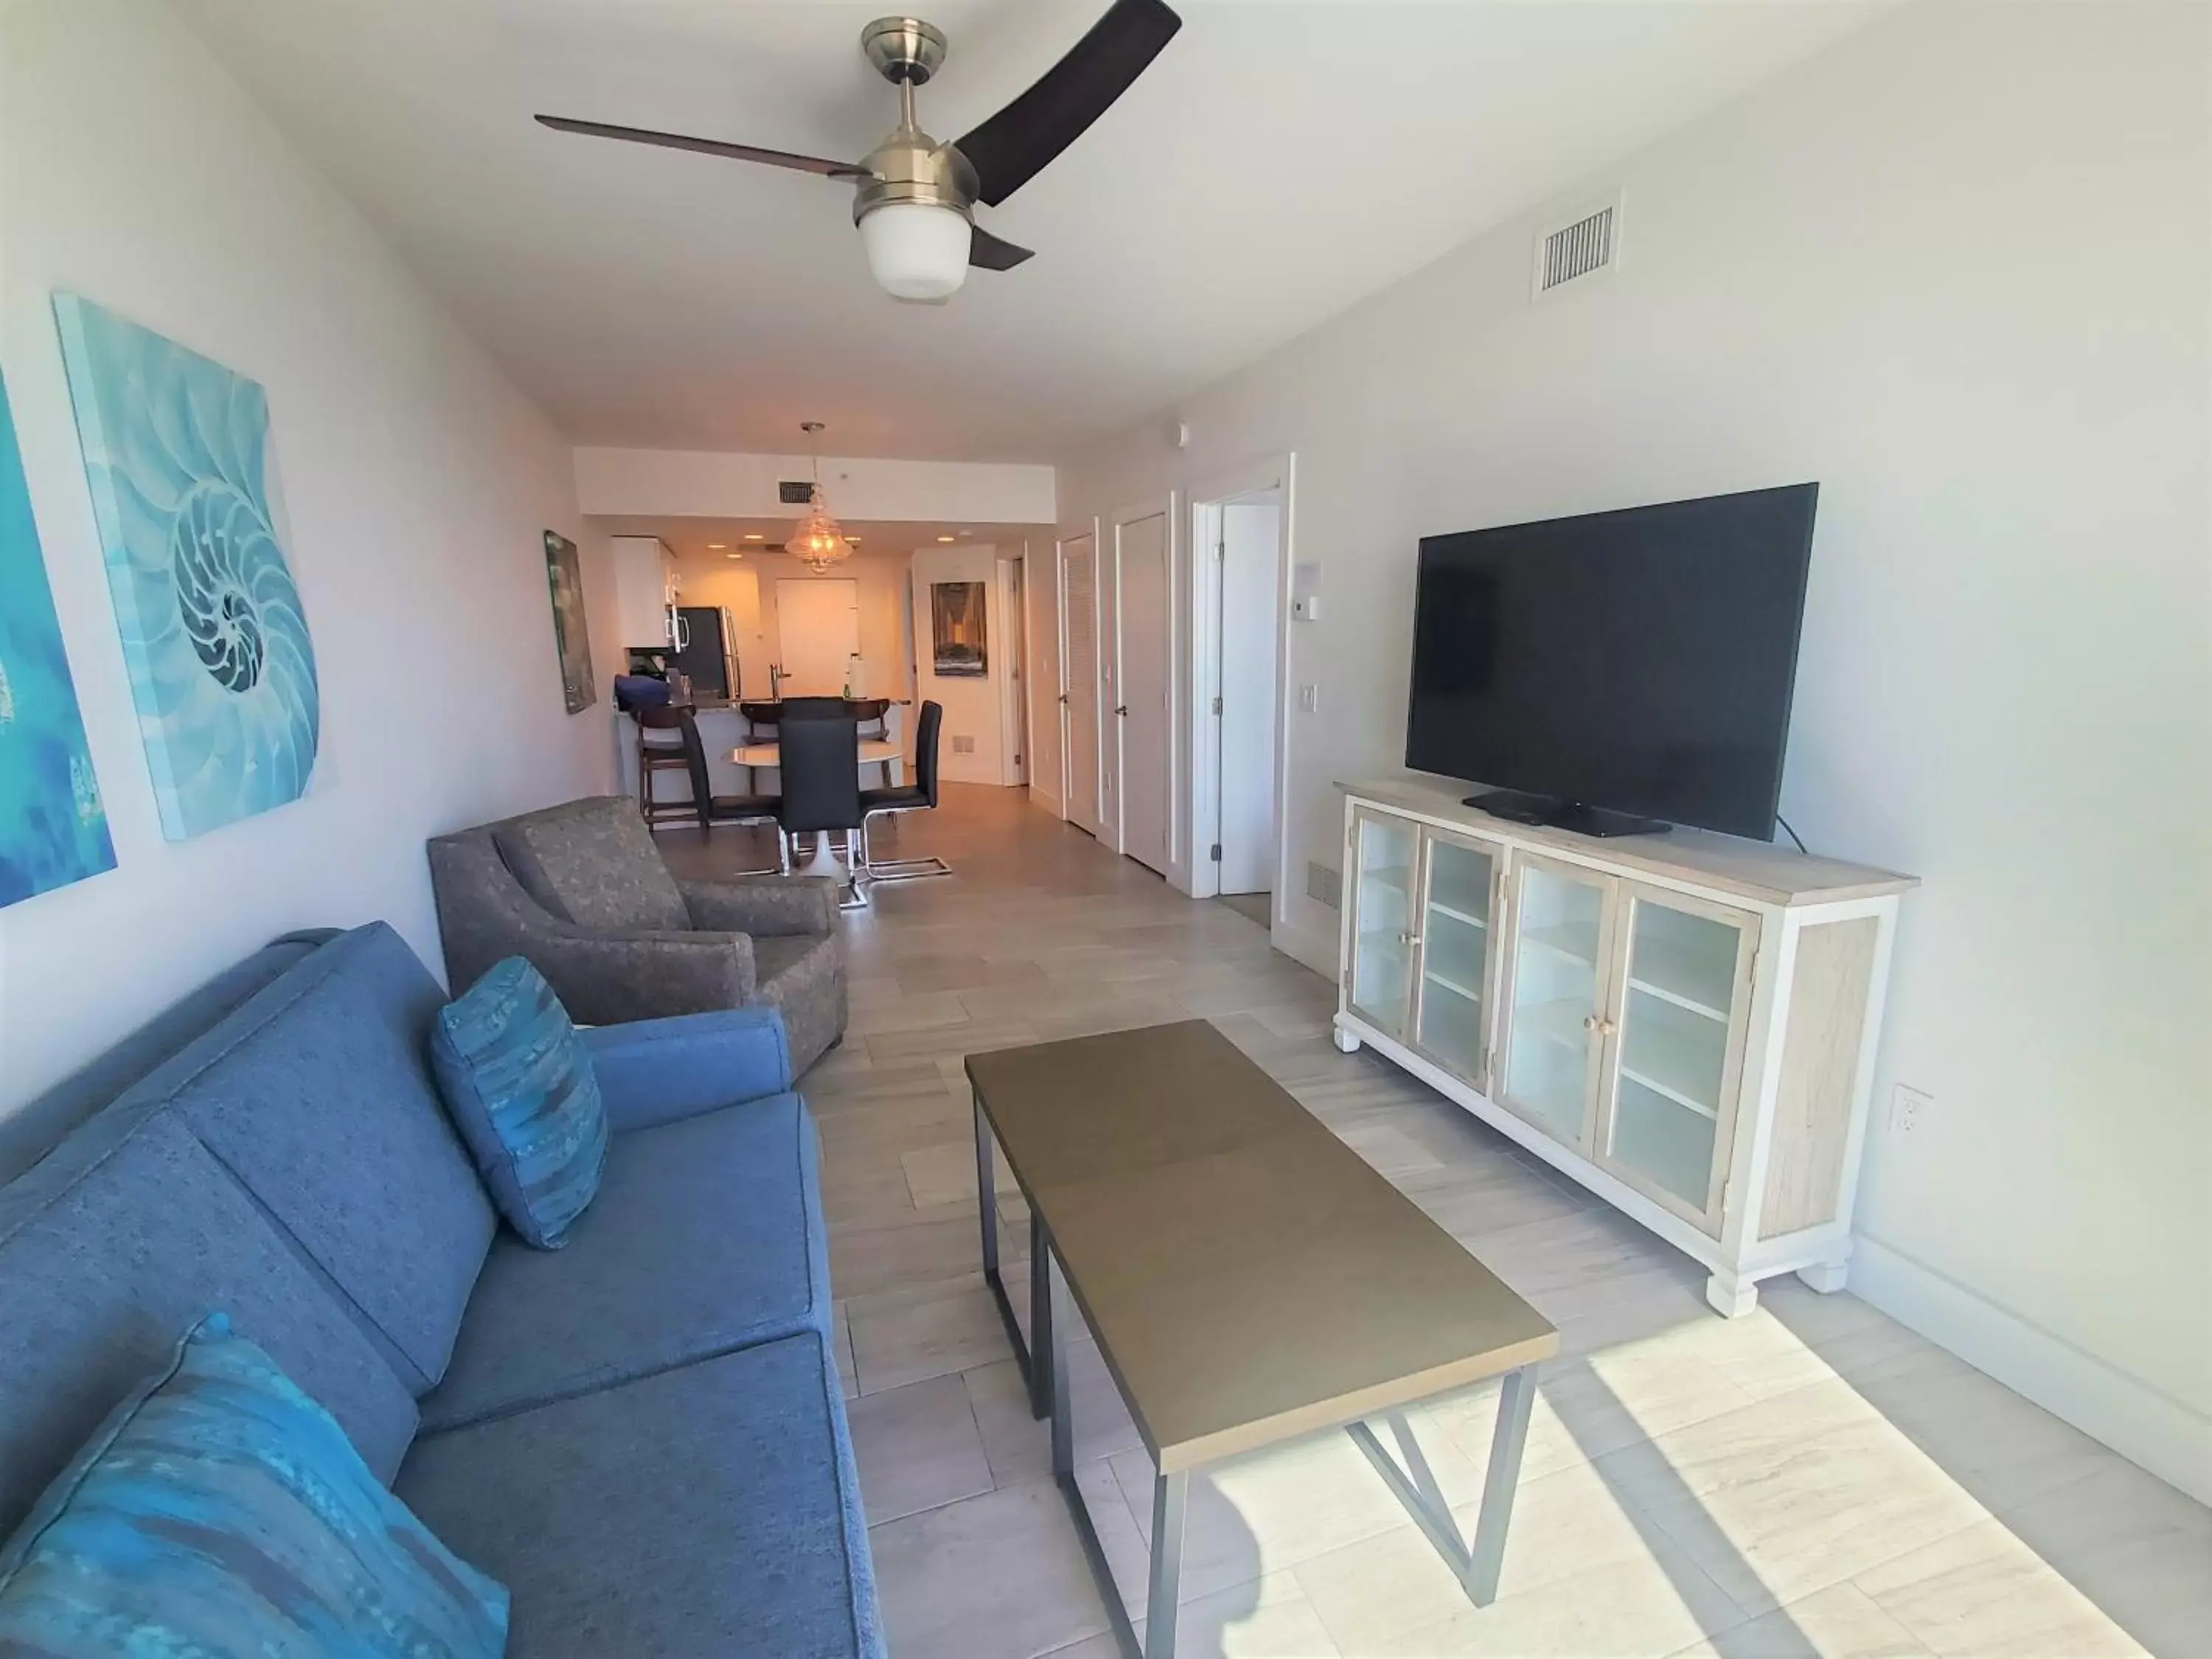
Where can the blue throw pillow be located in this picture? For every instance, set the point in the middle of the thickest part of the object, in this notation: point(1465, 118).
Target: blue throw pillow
point(220, 1510)
point(520, 1083)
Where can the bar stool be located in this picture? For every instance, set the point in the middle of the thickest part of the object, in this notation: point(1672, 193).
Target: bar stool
point(667, 755)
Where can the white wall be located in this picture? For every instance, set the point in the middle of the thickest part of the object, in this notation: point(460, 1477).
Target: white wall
point(1956, 270)
point(417, 483)
point(973, 707)
point(709, 484)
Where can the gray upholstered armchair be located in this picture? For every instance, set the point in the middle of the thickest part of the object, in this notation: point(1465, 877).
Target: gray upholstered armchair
point(582, 892)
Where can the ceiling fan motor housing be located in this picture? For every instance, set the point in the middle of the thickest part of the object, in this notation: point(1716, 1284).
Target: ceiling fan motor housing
point(905, 51)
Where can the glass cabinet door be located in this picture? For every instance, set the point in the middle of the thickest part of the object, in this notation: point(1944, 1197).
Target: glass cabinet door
point(1382, 920)
point(1678, 1046)
point(1454, 933)
point(1557, 1020)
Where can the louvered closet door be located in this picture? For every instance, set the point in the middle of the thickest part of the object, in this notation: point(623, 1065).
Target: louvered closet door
point(1078, 630)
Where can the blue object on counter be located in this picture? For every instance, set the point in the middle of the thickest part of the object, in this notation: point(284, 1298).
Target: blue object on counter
point(640, 691)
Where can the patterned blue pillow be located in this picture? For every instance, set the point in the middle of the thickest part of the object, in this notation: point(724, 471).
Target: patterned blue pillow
point(520, 1083)
point(220, 1510)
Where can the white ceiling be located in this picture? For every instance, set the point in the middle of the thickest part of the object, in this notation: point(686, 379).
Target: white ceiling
point(1280, 161)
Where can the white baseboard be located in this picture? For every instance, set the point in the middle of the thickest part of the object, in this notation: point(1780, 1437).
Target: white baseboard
point(1317, 950)
point(2146, 1427)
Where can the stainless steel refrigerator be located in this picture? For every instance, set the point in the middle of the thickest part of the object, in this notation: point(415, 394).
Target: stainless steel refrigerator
point(707, 651)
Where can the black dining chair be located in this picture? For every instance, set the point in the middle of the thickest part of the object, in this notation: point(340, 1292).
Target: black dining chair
point(819, 760)
point(714, 808)
point(920, 796)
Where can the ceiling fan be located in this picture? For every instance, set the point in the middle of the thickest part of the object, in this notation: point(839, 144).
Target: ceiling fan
point(914, 198)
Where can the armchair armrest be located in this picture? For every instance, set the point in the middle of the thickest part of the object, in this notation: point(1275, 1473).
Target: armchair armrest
point(766, 906)
point(656, 1071)
point(606, 979)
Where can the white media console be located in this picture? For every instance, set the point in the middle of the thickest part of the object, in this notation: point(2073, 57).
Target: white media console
point(1685, 1024)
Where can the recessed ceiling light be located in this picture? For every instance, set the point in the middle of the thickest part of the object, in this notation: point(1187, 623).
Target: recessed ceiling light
point(717, 547)
point(751, 536)
point(944, 539)
point(737, 555)
point(852, 541)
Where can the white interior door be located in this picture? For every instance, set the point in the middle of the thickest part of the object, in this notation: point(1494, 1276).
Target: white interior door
point(818, 625)
point(1142, 590)
point(1079, 628)
point(1251, 570)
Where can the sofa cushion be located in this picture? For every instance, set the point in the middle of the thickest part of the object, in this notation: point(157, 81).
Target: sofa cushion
point(113, 1246)
point(593, 862)
point(710, 1510)
point(220, 1510)
point(317, 1095)
point(522, 1090)
point(27, 1133)
point(705, 1235)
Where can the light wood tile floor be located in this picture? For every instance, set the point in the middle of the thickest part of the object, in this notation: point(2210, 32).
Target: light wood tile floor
point(1812, 1480)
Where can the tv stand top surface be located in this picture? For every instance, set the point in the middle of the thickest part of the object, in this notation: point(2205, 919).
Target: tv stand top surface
point(1749, 870)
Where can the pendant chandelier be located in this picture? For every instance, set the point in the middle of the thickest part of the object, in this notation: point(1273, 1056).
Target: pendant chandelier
point(817, 544)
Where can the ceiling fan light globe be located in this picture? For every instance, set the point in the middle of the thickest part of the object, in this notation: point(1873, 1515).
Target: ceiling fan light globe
point(916, 250)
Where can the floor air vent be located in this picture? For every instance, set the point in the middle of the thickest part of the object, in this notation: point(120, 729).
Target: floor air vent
point(1578, 249)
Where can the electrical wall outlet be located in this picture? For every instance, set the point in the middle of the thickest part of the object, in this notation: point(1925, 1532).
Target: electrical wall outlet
point(1309, 700)
point(1909, 1109)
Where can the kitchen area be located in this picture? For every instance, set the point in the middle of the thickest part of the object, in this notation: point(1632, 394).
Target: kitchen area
point(733, 619)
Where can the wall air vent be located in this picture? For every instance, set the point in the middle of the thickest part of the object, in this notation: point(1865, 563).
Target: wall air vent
point(963, 746)
point(794, 492)
point(1325, 885)
point(1576, 249)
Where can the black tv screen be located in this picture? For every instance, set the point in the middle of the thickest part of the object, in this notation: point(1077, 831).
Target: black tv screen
point(1639, 661)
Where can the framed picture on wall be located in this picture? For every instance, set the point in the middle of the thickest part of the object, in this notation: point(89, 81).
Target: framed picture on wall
point(178, 454)
point(959, 646)
point(53, 829)
point(565, 577)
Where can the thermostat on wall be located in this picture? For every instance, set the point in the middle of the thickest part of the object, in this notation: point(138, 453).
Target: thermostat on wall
point(1306, 608)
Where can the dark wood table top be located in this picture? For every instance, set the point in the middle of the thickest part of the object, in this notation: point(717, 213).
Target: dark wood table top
point(1248, 1277)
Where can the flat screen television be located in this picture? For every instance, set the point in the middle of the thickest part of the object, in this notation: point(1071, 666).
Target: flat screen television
point(1618, 672)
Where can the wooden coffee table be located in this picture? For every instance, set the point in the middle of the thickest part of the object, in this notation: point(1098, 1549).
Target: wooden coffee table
point(1248, 1277)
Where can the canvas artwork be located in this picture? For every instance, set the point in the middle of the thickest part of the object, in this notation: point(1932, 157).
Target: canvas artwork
point(53, 830)
point(958, 649)
point(184, 488)
point(566, 578)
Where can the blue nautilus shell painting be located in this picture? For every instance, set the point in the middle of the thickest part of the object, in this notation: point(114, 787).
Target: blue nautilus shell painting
point(53, 830)
point(184, 487)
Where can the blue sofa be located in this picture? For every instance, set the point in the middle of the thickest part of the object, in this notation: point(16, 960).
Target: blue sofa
point(641, 1435)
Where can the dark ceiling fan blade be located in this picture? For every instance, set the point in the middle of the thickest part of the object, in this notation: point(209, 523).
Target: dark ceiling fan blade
point(989, 253)
point(774, 158)
point(1020, 141)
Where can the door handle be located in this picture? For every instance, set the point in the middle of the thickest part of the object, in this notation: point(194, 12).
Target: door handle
point(1063, 696)
point(1123, 709)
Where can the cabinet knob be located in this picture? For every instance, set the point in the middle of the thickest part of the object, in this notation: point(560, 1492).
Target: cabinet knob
point(1598, 1025)
point(1409, 939)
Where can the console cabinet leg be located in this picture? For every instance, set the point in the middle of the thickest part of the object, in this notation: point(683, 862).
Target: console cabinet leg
point(1731, 1296)
point(1347, 1043)
point(1827, 1277)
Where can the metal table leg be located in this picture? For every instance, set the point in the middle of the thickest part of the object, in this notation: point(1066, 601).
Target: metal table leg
point(1164, 1584)
point(1167, 1501)
point(1033, 1358)
point(1476, 1567)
